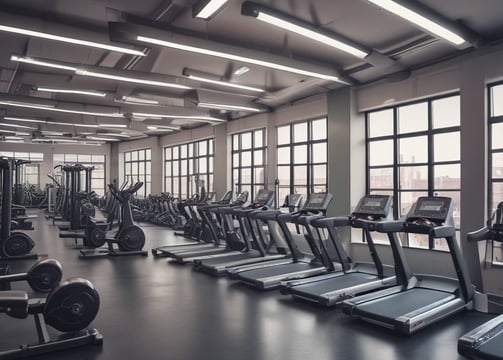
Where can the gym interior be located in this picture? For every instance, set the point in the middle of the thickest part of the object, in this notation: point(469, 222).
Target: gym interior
point(251, 179)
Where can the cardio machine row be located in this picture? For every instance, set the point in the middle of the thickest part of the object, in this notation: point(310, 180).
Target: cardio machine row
point(302, 254)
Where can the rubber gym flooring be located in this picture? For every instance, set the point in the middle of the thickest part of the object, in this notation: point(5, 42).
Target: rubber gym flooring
point(154, 309)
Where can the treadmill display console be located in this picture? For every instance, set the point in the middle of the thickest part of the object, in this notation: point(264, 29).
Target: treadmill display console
point(431, 208)
point(264, 197)
point(374, 206)
point(318, 202)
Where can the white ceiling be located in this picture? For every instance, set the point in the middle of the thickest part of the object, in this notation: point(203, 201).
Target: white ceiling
point(397, 48)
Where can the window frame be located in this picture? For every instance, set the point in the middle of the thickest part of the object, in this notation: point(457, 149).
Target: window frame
point(141, 165)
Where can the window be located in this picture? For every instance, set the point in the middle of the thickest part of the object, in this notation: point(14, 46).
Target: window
point(138, 167)
point(414, 150)
point(187, 167)
point(30, 172)
point(249, 151)
point(302, 157)
point(97, 175)
point(495, 146)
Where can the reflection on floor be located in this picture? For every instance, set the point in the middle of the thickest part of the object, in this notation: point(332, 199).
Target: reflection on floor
point(153, 309)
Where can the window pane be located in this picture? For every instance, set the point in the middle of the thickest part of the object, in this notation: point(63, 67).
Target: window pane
point(300, 132)
point(413, 150)
point(320, 153)
point(300, 175)
point(283, 135)
point(167, 153)
point(284, 175)
point(84, 158)
point(175, 153)
point(381, 152)
point(59, 158)
point(134, 155)
point(176, 168)
point(497, 166)
point(413, 177)
point(284, 155)
point(381, 178)
point(141, 155)
point(319, 174)
point(203, 165)
point(259, 175)
point(413, 118)
point(246, 140)
point(235, 160)
point(381, 123)
point(235, 177)
point(72, 158)
point(259, 138)
point(497, 194)
point(167, 169)
point(497, 138)
point(183, 151)
point(235, 142)
point(246, 158)
point(497, 100)
point(300, 154)
point(258, 157)
point(447, 176)
point(148, 154)
point(319, 129)
point(446, 147)
point(183, 167)
point(203, 148)
point(456, 196)
point(98, 158)
point(446, 112)
point(246, 176)
point(191, 149)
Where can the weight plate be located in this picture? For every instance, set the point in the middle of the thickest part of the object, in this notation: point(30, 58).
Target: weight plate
point(17, 244)
point(72, 305)
point(97, 237)
point(131, 239)
point(44, 275)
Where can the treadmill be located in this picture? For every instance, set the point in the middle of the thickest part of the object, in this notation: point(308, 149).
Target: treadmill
point(421, 299)
point(216, 244)
point(356, 278)
point(255, 246)
point(314, 260)
point(486, 341)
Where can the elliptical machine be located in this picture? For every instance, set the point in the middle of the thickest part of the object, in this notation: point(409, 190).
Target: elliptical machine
point(13, 244)
point(129, 238)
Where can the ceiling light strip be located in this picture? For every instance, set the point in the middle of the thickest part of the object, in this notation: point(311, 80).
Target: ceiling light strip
point(70, 91)
point(186, 117)
point(419, 20)
point(12, 118)
point(42, 107)
point(65, 39)
point(28, 60)
point(224, 83)
point(234, 57)
point(227, 107)
point(210, 8)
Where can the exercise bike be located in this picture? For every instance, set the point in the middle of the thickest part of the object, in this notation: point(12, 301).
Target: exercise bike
point(69, 308)
point(129, 238)
point(13, 244)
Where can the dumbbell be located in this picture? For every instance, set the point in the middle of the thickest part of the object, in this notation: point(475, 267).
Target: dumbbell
point(43, 276)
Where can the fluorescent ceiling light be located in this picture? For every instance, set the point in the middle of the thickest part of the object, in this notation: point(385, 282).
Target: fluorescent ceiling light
point(52, 133)
point(8, 137)
point(138, 101)
point(223, 83)
point(227, 107)
point(18, 133)
point(13, 141)
point(119, 135)
point(48, 36)
point(19, 126)
point(68, 124)
point(49, 108)
point(164, 127)
point(419, 20)
point(70, 91)
point(24, 119)
point(270, 17)
point(62, 140)
point(84, 72)
point(41, 63)
point(186, 117)
point(241, 70)
point(158, 128)
point(209, 8)
point(113, 125)
point(101, 138)
point(234, 57)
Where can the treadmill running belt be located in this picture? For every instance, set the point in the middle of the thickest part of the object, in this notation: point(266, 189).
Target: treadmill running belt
point(335, 283)
point(402, 303)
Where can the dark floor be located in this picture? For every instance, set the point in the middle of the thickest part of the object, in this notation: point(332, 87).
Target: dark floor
point(152, 309)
